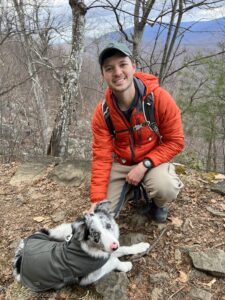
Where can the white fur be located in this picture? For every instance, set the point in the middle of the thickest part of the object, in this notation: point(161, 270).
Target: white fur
point(61, 232)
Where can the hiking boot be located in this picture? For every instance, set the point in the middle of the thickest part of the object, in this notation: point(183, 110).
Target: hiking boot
point(159, 214)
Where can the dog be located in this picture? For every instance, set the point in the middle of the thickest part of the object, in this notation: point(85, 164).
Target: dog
point(78, 253)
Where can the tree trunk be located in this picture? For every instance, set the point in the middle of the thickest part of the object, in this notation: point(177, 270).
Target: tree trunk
point(39, 97)
point(140, 20)
point(209, 156)
point(69, 84)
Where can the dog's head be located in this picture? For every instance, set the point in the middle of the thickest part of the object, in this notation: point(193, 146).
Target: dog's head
point(99, 229)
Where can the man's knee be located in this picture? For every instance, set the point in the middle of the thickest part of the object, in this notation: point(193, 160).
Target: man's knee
point(163, 184)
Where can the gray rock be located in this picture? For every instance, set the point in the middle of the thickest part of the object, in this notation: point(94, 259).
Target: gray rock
point(177, 255)
point(157, 294)
point(210, 260)
point(71, 173)
point(132, 238)
point(28, 172)
point(159, 277)
point(20, 200)
point(15, 243)
point(113, 286)
point(199, 275)
point(137, 221)
point(215, 212)
point(200, 294)
point(59, 216)
point(186, 225)
point(219, 187)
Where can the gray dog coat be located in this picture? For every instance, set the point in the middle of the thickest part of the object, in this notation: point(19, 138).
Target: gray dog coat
point(48, 264)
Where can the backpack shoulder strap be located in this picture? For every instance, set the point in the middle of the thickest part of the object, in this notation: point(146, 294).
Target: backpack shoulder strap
point(149, 114)
point(105, 111)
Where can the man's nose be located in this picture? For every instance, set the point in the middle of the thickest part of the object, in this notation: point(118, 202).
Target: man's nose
point(117, 71)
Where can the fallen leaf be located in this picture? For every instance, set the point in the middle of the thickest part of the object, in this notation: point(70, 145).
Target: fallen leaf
point(183, 277)
point(213, 201)
point(210, 284)
point(176, 221)
point(223, 206)
point(38, 219)
point(219, 176)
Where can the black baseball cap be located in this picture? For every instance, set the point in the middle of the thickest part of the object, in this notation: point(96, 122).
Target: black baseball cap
point(113, 46)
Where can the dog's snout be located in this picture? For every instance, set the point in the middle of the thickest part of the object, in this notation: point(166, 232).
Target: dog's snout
point(114, 246)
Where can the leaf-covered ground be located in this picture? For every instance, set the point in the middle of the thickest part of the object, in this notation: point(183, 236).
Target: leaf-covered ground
point(45, 203)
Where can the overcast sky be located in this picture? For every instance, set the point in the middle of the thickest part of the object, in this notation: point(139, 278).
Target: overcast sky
point(100, 21)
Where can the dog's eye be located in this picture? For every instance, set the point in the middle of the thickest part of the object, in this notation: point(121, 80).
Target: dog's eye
point(108, 226)
point(96, 237)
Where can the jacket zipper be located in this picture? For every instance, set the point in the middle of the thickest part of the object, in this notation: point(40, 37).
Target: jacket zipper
point(131, 136)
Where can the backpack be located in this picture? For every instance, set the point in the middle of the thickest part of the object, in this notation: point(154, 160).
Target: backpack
point(148, 110)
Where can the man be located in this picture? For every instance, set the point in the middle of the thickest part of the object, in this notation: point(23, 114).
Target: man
point(136, 153)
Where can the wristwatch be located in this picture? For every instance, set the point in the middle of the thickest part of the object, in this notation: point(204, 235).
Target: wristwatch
point(147, 163)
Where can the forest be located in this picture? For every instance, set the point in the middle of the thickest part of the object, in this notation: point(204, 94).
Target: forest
point(51, 80)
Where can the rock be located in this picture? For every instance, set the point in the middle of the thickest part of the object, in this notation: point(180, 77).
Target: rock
point(113, 286)
point(132, 238)
point(157, 294)
point(177, 255)
point(71, 173)
point(137, 221)
point(20, 200)
point(28, 172)
point(15, 243)
point(59, 216)
point(196, 274)
point(200, 294)
point(215, 212)
point(186, 225)
point(210, 260)
point(219, 187)
point(159, 277)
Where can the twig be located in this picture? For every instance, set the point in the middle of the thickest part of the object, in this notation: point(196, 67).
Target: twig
point(170, 297)
point(138, 256)
point(218, 245)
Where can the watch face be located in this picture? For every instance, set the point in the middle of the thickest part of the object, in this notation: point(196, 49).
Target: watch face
point(147, 163)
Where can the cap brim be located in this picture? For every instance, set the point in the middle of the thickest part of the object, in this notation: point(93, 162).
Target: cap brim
point(101, 56)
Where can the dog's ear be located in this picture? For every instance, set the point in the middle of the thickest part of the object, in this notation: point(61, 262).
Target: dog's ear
point(102, 206)
point(80, 229)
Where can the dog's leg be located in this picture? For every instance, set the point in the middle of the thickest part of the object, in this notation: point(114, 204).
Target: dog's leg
point(112, 264)
point(129, 250)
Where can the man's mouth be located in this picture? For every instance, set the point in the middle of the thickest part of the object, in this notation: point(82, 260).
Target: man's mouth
point(118, 81)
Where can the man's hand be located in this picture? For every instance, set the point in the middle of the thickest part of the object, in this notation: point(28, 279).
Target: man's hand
point(92, 208)
point(135, 176)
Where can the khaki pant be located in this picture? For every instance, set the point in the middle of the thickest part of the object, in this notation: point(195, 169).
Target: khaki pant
point(161, 183)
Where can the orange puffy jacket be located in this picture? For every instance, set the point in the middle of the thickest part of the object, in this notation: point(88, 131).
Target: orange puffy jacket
point(132, 148)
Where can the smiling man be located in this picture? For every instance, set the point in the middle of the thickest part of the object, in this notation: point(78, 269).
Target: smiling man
point(135, 152)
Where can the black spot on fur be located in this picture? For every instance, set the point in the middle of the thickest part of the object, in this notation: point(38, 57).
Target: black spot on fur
point(86, 233)
point(44, 230)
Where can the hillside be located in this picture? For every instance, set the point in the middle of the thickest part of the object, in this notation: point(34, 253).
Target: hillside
point(196, 34)
point(195, 223)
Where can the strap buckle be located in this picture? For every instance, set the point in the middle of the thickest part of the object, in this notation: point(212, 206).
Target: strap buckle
point(137, 127)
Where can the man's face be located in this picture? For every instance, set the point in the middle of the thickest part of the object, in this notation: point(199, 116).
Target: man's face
point(118, 71)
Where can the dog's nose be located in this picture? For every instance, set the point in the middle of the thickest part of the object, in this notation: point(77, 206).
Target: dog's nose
point(114, 246)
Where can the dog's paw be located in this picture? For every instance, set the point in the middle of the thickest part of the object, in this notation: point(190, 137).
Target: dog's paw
point(125, 266)
point(141, 247)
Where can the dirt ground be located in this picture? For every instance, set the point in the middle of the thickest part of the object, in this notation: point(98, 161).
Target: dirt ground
point(26, 208)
